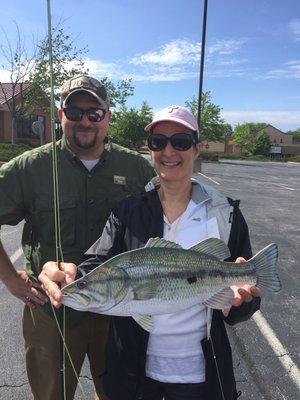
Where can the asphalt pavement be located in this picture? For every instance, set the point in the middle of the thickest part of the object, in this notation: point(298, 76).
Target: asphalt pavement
point(266, 348)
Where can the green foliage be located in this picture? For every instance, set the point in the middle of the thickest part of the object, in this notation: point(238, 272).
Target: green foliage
point(9, 151)
point(67, 62)
point(295, 159)
point(127, 126)
point(212, 126)
point(260, 144)
point(241, 137)
point(209, 156)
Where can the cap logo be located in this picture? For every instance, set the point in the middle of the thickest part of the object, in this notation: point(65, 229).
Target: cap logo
point(172, 108)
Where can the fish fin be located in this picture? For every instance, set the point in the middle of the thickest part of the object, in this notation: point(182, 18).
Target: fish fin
point(213, 247)
point(265, 263)
point(221, 299)
point(145, 321)
point(144, 291)
point(159, 242)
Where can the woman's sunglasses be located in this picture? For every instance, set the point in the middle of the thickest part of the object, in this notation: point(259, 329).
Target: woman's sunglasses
point(180, 141)
point(76, 114)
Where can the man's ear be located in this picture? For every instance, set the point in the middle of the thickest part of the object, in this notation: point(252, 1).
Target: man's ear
point(59, 114)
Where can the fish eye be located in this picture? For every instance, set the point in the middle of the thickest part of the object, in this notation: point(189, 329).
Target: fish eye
point(81, 284)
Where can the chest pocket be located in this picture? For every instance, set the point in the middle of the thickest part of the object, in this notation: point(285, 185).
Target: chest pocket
point(118, 192)
point(45, 225)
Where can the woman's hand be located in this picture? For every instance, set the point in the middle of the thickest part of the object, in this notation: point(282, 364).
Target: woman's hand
point(242, 293)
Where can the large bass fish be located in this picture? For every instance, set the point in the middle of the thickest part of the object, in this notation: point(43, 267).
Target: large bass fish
point(163, 278)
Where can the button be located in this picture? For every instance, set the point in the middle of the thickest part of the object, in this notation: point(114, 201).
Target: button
point(89, 175)
point(91, 201)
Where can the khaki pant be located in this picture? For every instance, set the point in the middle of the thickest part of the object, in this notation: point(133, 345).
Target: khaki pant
point(42, 348)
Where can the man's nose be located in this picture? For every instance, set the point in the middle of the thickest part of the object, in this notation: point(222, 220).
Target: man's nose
point(85, 121)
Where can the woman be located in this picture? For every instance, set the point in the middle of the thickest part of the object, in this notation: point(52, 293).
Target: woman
point(175, 361)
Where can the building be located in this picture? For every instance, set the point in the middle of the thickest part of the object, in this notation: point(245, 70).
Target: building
point(282, 145)
point(10, 94)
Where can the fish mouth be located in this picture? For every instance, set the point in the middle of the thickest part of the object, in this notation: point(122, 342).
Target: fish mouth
point(78, 298)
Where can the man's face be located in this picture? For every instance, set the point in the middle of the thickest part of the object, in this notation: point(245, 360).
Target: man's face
point(84, 137)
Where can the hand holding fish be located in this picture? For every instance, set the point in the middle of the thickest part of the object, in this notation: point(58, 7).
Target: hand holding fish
point(52, 275)
point(242, 293)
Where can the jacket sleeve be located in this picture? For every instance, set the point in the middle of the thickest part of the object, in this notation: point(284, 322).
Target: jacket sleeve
point(108, 245)
point(240, 246)
point(12, 205)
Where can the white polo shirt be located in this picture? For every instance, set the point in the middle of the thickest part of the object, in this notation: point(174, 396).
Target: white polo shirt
point(174, 352)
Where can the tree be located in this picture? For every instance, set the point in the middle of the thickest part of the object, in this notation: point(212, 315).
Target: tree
point(241, 136)
point(212, 126)
point(261, 144)
point(18, 64)
point(127, 126)
point(30, 75)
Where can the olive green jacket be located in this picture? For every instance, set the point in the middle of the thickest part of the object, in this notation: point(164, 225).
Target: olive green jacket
point(85, 198)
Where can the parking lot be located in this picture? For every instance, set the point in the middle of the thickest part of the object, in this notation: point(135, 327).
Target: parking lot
point(266, 348)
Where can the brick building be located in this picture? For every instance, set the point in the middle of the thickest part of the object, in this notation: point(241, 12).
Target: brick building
point(12, 94)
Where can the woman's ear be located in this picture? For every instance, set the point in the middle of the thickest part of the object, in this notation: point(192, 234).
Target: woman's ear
point(197, 150)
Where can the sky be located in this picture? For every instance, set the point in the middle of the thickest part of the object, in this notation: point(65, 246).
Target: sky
point(252, 54)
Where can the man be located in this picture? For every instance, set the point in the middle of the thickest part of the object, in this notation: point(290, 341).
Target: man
point(93, 177)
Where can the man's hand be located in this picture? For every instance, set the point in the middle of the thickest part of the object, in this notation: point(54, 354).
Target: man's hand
point(52, 275)
point(242, 293)
point(26, 290)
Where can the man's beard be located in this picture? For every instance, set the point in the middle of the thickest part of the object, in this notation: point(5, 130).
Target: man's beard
point(86, 143)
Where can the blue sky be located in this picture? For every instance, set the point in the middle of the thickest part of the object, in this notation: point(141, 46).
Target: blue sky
point(252, 64)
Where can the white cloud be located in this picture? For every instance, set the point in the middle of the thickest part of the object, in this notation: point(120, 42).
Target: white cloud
point(176, 52)
point(4, 75)
point(99, 69)
point(179, 59)
point(284, 120)
point(294, 26)
point(224, 47)
point(290, 70)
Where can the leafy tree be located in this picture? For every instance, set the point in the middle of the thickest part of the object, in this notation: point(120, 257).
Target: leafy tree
point(67, 62)
point(212, 126)
point(260, 144)
point(17, 61)
point(127, 126)
point(241, 136)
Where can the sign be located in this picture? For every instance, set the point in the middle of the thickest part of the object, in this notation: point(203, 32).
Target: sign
point(275, 150)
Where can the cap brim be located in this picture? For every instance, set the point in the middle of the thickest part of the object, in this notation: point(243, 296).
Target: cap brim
point(178, 120)
point(100, 101)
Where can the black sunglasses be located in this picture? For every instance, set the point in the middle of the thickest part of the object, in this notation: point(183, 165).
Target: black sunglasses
point(75, 114)
point(180, 141)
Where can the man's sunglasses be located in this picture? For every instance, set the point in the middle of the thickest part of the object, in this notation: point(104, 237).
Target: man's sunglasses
point(76, 114)
point(180, 141)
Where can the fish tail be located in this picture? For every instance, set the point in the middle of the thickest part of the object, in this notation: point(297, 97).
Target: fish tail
point(265, 263)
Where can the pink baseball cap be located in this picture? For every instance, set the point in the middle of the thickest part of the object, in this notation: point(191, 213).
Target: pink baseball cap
point(175, 114)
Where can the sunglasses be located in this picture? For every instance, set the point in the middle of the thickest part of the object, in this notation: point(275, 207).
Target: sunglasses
point(179, 141)
point(76, 114)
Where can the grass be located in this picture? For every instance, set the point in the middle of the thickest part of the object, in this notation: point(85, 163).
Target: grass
point(9, 151)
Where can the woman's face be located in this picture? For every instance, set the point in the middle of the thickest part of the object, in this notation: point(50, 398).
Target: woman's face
point(173, 165)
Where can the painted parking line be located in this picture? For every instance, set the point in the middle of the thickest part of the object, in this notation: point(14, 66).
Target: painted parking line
point(205, 176)
point(291, 368)
point(17, 254)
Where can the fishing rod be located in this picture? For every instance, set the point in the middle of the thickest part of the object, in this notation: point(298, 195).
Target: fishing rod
point(61, 317)
point(201, 75)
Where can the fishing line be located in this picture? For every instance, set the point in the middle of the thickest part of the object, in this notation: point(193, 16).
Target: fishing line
point(61, 325)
